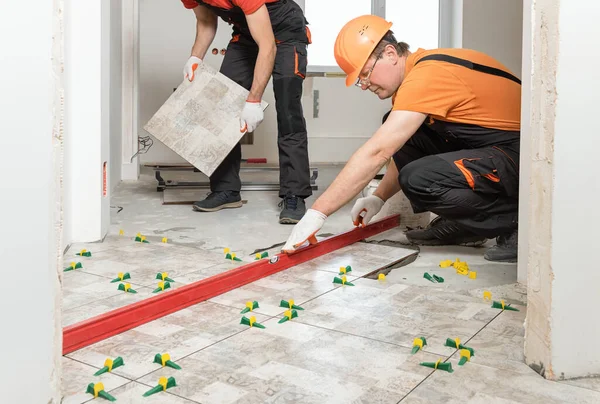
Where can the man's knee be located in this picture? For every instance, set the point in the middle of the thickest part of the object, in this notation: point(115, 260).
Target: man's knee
point(411, 177)
point(417, 177)
point(288, 104)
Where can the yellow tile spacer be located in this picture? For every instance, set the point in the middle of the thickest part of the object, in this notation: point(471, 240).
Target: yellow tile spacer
point(249, 305)
point(473, 275)
point(466, 354)
point(288, 314)
point(232, 256)
point(487, 295)
point(139, 234)
point(418, 342)
point(437, 363)
point(83, 251)
point(457, 342)
point(98, 387)
point(127, 287)
point(252, 320)
point(257, 256)
point(108, 363)
point(143, 238)
point(502, 303)
point(121, 232)
point(381, 277)
point(120, 275)
point(163, 382)
point(161, 285)
point(164, 275)
point(164, 358)
point(344, 280)
point(164, 239)
point(446, 264)
point(226, 251)
point(291, 302)
point(342, 270)
point(73, 265)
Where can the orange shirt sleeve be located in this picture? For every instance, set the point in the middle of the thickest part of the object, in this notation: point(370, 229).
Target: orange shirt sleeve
point(432, 90)
point(189, 4)
point(248, 6)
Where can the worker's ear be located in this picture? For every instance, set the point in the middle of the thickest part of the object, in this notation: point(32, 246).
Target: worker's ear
point(391, 53)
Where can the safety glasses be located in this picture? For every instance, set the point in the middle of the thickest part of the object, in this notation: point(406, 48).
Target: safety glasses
point(366, 82)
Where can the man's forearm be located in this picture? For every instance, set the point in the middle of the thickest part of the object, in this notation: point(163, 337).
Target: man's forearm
point(389, 185)
point(262, 71)
point(205, 34)
point(360, 169)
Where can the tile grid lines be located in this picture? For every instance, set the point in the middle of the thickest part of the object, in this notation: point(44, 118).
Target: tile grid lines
point(132, 283)
point(427, 377)
point(137, 380)
point(144, 384)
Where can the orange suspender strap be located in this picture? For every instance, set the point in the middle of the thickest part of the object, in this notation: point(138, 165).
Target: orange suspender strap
point(470, 65)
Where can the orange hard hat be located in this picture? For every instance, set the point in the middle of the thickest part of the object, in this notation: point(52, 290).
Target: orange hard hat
point(355, 43)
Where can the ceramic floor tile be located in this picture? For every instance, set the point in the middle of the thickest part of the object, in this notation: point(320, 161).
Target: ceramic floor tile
point(300, 283)
point(85, 289)
point(398, 314)
point(294, 362)
point(591, 383)
point(76, 376)
point(474, 383)
point(96, 307)
point(364, 258)
point(500, 343)
point(179, 334)
point(133, 393)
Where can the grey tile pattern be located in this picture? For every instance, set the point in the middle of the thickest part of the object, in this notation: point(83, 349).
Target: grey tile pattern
point(295, 361)
point(178, 334)
point(200, 120)
point(77, 376)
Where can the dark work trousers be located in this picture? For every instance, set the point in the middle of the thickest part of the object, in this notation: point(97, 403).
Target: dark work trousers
point(465, 173)
point(288, 76)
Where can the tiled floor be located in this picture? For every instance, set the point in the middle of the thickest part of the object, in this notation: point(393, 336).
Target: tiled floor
point(350, 344)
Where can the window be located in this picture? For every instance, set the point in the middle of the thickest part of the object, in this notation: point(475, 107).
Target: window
point(326, 18)
point(415, 22)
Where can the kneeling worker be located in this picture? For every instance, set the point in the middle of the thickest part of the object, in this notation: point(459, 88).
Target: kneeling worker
point(453, 135)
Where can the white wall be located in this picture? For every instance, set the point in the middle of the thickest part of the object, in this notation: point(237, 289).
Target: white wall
point(87, 122)
point(116, 76)
point(347, 116)
point(30, 204)
point(576, 190)
point(495, 27)
point(562, 284)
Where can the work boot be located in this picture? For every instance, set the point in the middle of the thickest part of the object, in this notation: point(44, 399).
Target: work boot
point(293, 209)
point(505, 250)
point(219, 200)
point(444, 232)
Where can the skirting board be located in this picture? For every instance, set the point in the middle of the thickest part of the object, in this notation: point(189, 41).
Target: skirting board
point(114, 322)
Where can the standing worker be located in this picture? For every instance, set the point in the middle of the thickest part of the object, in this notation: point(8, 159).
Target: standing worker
point(453, 134)
point(269, 37)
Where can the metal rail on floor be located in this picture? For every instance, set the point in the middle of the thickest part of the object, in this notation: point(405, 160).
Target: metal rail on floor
point(246, 186)
point(114, 322)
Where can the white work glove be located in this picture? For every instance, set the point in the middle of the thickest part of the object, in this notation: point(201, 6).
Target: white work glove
point(190, 67)
point(305, 230)
point(370, 206)
point(252, 116)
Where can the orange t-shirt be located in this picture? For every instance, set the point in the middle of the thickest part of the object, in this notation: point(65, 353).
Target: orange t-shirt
point(248, 6)
point(453, 93)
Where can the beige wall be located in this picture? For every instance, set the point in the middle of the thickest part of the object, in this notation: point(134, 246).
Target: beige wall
point(495, 27)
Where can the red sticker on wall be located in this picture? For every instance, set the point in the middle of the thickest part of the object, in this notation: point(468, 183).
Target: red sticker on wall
point(104, 191)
